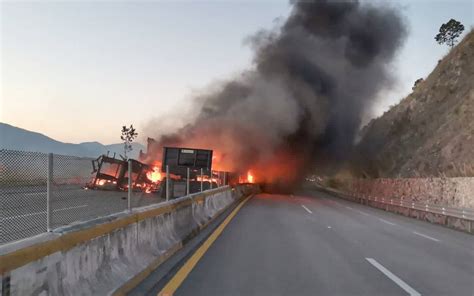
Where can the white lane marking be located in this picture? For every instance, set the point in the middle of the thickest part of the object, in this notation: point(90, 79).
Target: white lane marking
point(35, 193)
point(393, 277)
point(307, 210)
point(44, 212)
point(426, 236)
point(70, 208)
point(387, 222)
point(22, 216)
point(358, 211)
point(363, 213)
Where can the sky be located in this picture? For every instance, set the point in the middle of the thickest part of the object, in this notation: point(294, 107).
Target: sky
point(79, 70)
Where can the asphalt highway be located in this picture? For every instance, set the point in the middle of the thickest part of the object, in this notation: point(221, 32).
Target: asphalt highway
point(316, 244)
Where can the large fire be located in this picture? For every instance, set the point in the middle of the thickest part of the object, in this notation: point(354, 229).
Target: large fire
point(155, 175)
point(281, 166)
point(249, 177)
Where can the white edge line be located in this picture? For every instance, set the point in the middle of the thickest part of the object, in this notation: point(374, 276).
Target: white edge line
point(426, 236)
point(393, 277)
point(307, 210)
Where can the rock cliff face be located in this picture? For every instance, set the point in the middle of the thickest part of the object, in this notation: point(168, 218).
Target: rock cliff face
point(431, 131)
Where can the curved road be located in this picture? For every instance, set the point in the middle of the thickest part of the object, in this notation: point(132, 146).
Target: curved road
point(315, 244)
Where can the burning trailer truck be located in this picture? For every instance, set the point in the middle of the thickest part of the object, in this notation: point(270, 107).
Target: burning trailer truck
point(112, 174)
point(186, 167)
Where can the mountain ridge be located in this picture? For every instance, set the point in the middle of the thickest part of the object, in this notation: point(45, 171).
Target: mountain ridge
point(16, 138)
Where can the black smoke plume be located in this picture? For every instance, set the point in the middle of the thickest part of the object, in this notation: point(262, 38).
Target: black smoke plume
point(313, 78)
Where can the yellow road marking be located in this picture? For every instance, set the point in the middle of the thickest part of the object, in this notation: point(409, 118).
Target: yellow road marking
point(183, 272)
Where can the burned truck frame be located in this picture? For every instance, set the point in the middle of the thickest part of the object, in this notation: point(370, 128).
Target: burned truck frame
point(112, 174)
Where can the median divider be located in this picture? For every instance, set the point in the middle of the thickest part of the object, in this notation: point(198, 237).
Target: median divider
point(111, 254)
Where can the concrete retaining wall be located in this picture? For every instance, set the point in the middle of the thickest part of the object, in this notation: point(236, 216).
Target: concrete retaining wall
point(102, 257)
point(449, 192)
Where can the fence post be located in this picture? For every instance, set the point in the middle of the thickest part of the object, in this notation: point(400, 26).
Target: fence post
point(210, 180)
point(129, 206)
point(167, 182)
point(225, 178)
point(187, 181)
point(202, 182)
point(49, 191)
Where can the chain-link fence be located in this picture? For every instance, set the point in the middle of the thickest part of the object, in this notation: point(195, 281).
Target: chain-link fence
point(40, 192)
point(30, 206)
point(23, 179)
point(71, 201)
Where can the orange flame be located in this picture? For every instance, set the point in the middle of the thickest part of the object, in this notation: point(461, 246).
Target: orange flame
point(155, 175)
point(249, 177)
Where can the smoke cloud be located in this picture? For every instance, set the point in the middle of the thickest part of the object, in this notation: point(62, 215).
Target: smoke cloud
point(301, 104)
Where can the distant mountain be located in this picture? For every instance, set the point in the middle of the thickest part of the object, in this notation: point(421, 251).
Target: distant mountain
point(15, 138)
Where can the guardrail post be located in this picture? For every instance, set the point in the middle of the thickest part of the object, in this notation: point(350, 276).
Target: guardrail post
point(187, 181)
point(202, 179)
point(129, 199)
point(167, 182)
point(49, 189)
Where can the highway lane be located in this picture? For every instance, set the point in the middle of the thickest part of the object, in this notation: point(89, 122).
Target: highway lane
point(315, 244)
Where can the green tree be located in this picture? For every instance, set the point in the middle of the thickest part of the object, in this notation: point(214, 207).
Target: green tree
point(418, 81)
point(449, 33)
point(128, 135)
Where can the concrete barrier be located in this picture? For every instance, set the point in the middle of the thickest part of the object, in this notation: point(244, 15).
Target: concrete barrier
point(111, 254)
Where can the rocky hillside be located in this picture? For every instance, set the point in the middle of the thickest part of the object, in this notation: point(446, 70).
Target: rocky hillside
point(430, 132)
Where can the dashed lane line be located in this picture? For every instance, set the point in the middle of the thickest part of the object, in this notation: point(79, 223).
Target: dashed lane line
point(393, 277)
point(426, 236)
point(307, 210)
point(387, 222)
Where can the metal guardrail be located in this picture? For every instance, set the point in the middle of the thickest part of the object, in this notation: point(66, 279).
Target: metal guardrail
point(462, 213)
